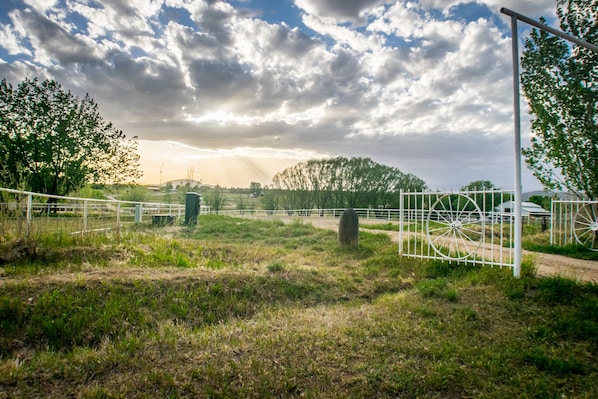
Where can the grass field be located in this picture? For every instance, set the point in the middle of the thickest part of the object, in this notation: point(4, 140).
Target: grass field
point(239, 308)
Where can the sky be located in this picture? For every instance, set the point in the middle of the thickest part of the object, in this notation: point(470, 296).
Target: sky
point(232, 92)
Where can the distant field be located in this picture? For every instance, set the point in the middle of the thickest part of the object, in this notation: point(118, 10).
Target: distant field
point(240, 308)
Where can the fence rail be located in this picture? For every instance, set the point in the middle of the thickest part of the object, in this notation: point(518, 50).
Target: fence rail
point(28, 214)
point(463, 227)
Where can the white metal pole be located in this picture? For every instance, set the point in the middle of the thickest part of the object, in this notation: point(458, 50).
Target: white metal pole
point(517, 121)
point(517, 117)
point(547, 28)
point(85, 216)
point(401, 219)
point(28, 213)
point(118, 216)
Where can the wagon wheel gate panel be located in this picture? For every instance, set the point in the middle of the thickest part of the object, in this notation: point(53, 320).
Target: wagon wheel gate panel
point(464, 227)
point(574, 222)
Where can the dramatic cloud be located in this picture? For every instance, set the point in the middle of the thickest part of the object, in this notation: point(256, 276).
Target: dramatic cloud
point(422, 85)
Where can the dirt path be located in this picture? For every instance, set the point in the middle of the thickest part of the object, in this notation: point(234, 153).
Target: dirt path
point(548, 264)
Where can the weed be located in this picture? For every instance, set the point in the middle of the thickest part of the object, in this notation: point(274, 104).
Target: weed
point(438, 288)
point(554, 365)
point(275, 267)
point(468, 313)
point(557, 290)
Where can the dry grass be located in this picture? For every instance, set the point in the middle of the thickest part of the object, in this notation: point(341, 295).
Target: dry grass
point(287, 313)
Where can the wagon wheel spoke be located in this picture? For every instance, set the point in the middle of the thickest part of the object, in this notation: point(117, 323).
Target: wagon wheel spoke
point(585, 226)
point(456, 237)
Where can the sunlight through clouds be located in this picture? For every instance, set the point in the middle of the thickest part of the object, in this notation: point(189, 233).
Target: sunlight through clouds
point(234, 167)
point(396, 81)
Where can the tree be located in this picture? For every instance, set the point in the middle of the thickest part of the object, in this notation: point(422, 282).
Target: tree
point(295, 187)
point(480, 185)
point(544, 201)
point(215, 198)
point(270, 200)
point(135, 194)
point(54, 142)
point(255, 189)
point(168, 192)
point(559, 81)
point(485, 194)
point(342, 182)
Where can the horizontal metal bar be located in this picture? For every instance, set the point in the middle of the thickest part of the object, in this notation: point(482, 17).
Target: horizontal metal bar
point(547, 28)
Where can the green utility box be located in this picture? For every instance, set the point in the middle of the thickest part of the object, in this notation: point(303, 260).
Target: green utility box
point(192, 204)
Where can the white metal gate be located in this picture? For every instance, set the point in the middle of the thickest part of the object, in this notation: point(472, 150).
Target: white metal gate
point(462, 227)
point(574, 222)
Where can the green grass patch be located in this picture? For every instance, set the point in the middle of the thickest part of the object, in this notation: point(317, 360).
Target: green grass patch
point(258, 309)
point(381, 226)
point(571, 251)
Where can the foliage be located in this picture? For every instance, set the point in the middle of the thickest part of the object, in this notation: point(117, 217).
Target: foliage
point(255, 189)
point(480, 185)
point(269, 200)
point(167, 190)
point(241, 204)
point(88, 191)
point(483, 196)
point(543, 200)
point(54, 142)
point(214, 198)
point(560, 82)
point(342, 182)
point(135, 194)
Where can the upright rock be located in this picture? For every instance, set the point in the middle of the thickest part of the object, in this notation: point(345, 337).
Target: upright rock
point(348, 229)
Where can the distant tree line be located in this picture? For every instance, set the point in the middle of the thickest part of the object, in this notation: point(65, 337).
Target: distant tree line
point(339, 183)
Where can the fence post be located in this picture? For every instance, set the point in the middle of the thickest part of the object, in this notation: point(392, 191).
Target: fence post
point(138, 213)
point(118, 218)
point(401, 222)
point(29, 209)
point(552, 206)
point(85, 216)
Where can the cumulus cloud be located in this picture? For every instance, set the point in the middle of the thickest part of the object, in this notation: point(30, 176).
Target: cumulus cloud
point(399, 81)
point(339, 10)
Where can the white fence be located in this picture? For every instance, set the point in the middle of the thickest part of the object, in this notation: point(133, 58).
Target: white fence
point(574, 223)
point(26, 214)
point(461, 227)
